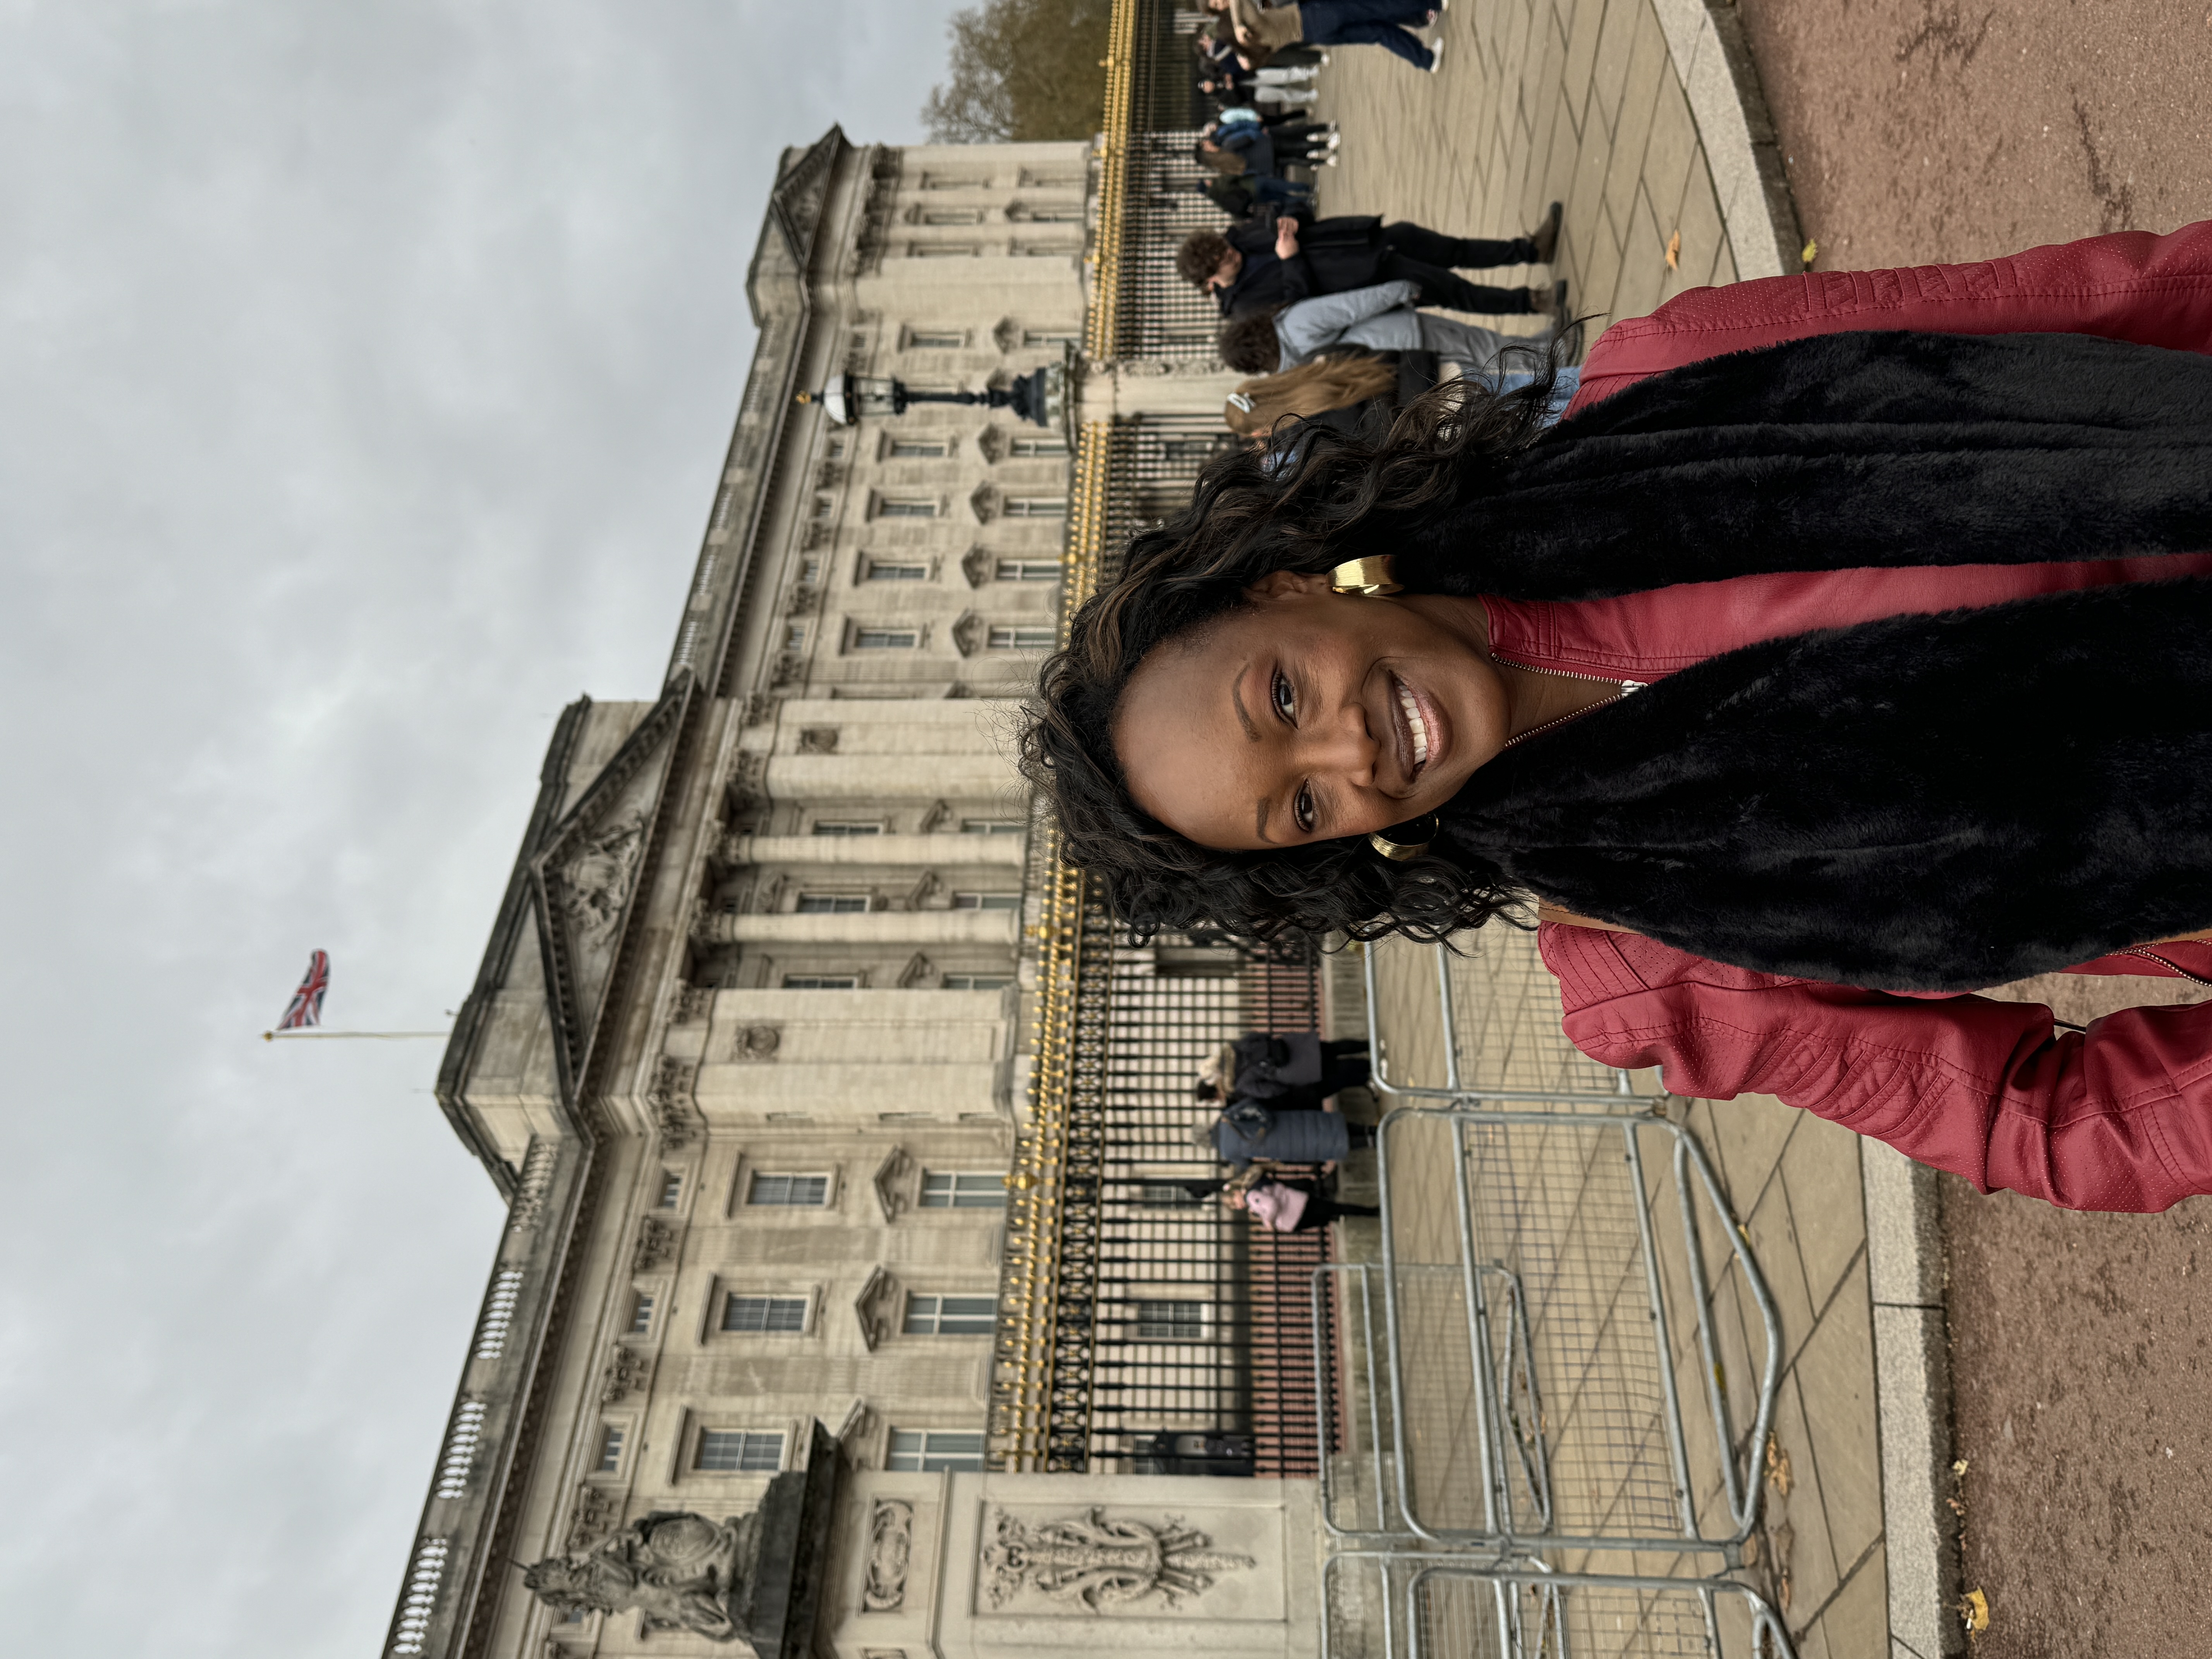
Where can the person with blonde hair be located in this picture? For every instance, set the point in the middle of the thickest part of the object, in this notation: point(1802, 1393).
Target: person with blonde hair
point(1310, 390)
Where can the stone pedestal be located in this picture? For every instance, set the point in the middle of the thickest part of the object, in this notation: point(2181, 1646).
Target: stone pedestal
point(1017, 1566)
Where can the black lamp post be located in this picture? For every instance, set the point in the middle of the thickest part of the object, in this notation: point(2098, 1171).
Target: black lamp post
point(1040, 397)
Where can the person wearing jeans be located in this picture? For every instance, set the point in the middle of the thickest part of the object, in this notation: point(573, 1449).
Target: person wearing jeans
point(1261, 32)
point(1385, 23)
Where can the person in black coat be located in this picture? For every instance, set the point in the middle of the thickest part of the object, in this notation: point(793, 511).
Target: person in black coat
point(1277, 260)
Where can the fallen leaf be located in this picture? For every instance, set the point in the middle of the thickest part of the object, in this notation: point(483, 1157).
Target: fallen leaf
point(1778, 1465)
point(1674, 252)
point(1975, 1610)
point(1810, 253)
point(1959, 1468)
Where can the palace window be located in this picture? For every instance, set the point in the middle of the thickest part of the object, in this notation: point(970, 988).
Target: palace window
point(895, 570)
point(1038, 506)
point(802, 1192)
point(927, 1452)
point(944, 1190)
point(671, 1189)
point(843, 827)
point(833, 904)
point(987, 901)
point(949, 1315)
point(795, 637)
point(1166, 1195)
point(611, 1445)
point(940, 250)
point(977, 981)
point(1170, 1322)
point(936, 339)
point(919, 449)
point(821, 982)
point(1040, 636)
point(739, 1451)
point(992, 826)
point(907, 507)
point(1029, 570)
point(779, 1316)
point(1030, 449)
point(886, 639)
point(640, 1315)
point(952, 216)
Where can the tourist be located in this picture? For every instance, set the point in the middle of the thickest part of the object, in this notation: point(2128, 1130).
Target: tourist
point(1903, 571)
point(1268, 262)
point(1263, 31)
point(1291, 1204)
point(1380, 317)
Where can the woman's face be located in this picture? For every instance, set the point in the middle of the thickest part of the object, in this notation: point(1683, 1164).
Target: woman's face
point(1310, 716)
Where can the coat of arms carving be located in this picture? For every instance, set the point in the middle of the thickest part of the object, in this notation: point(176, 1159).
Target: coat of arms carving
point(1098, 1561)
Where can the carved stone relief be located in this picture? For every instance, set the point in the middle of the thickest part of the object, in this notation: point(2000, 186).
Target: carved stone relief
point(939, 812)
point(598, 879)
point(818, 740)
point(1097, 1561)
point(891, 1547)
point(693, 1003)
point(918, 972)
point(626, 1371)
point(977, 566)
point(595, 1512)
point(757, 1043)
point(984, 503)
point(927, 886)
point(802, 601)
point(992, 443)
point(656, 1244)
point(681, 1571)
point(673, 1099)
point(894, 1183)
point(878, 1308)
point(969, 633)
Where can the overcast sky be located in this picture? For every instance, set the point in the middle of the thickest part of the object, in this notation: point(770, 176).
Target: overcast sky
point(365, 369)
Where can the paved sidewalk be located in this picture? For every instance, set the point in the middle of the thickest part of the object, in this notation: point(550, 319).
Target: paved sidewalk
point(1574, 101)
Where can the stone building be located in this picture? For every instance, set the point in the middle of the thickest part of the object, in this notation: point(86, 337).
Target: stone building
point(742, 1049)
point(770, 1048)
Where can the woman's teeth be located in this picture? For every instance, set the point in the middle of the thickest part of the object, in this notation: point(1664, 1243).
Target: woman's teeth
point(1416, 725)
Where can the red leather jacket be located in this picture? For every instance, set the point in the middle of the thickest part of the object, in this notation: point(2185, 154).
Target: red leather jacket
point(2116, 1118)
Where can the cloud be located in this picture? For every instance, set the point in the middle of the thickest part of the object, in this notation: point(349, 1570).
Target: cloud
point(364, 375)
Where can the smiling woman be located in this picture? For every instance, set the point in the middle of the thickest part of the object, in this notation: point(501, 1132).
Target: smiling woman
point(1927, 629)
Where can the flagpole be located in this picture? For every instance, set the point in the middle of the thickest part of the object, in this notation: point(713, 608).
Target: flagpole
point(387, 1037)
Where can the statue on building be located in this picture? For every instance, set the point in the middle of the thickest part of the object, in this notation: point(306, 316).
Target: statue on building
point(681, 1571)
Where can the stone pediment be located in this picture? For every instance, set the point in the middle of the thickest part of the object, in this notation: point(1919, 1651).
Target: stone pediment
point(587, 874)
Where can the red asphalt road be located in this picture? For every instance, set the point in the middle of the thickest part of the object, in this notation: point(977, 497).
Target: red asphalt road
point(1916, 133)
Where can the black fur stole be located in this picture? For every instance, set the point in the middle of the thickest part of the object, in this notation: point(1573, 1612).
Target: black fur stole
point(1834, 452)
point(1924, 803)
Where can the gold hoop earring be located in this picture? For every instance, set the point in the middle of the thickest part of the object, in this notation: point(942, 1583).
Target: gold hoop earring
point(1406, 840)
point(1371, 579)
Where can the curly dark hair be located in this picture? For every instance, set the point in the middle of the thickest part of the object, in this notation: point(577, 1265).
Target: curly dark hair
point(1248, 343)
point(1314, 498)
point(1200, 256)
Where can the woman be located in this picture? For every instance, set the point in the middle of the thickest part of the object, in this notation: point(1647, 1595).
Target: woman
point(1382, 317)
point(1919, 634)
point(1293, 1206)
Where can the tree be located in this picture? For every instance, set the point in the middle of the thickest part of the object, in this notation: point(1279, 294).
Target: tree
point(1023, 70)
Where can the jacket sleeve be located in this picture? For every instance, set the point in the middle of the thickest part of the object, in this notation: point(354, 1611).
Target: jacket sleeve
point(2119, 1117)
point(2155, 290)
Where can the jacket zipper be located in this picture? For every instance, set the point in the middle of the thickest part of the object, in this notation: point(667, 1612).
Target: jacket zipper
point(1627, 687)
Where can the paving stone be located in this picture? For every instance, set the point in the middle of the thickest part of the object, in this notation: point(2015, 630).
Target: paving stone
point(1835, 1373)
point(1820, 1169)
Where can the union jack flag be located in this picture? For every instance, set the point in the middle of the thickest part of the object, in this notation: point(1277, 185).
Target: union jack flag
point(306, 1008)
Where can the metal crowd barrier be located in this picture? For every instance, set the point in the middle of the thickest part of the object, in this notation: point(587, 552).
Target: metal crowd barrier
point(1535, 1376)
point(1428, 1608)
